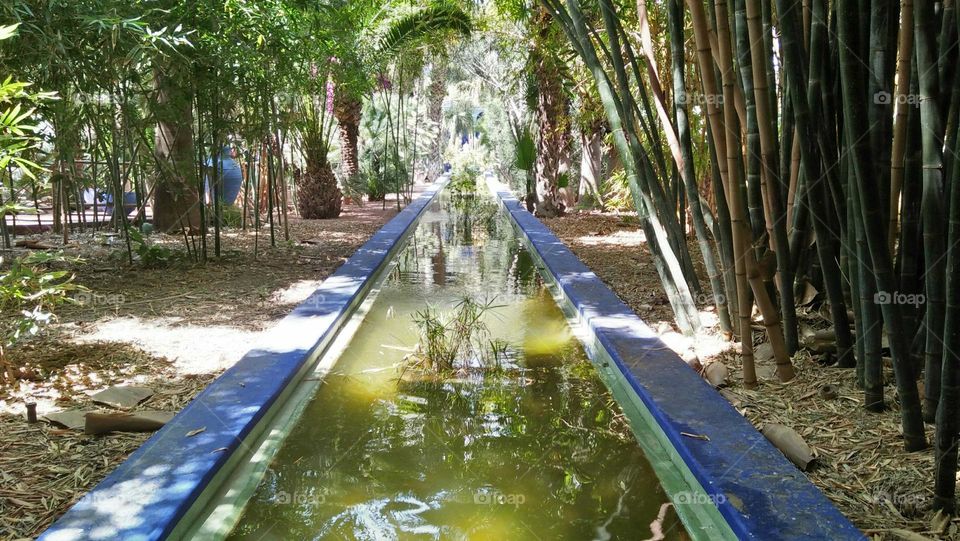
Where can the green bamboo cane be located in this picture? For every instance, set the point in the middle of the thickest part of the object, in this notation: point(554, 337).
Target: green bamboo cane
point(874, 227)
point(805, 115)
point(770, 150)
point(720, 295)
point(932, 205)
point(948, 413)
point(666, 261)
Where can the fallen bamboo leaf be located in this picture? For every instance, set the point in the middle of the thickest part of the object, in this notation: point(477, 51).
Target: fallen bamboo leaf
point(790, 443)
point(193, 433)
point(828, 392)
point(70, 419)
point(716, 373)
point(122, 396)
point(141, 421)
point(703, 437)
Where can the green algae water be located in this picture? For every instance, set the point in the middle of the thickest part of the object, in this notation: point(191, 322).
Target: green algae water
point(534, 449)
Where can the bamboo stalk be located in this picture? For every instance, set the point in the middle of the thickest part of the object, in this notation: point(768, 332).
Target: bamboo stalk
point(769, 155)
point(688, 173)
point(746, 258)
point(854, 126)
point(904, 59)
point(932, 206)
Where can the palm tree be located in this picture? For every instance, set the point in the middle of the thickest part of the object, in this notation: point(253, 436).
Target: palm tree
point(552, 113)
point(352, 23)
point(348, 110)
point(435, 94)
point(319, 197)
point(176, 202)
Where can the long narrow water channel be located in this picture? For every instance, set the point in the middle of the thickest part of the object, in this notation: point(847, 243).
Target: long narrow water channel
point(535, 449)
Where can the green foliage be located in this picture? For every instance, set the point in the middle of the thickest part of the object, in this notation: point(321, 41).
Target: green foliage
point(17, 135)
point(30, 291)
point(431, 22)
point(382, 175)
point(616, 192)
point(151, 256)
point(315, 128)
point(452, 340)
point(231, 216)
point(467, 165)
point(355, 187)
point(526, 150)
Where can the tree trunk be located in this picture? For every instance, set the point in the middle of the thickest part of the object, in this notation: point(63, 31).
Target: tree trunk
point(591, 164)
point(319, 197)
point(552, 116)
point(437, 91)
point(176, 203)
point(348, 110)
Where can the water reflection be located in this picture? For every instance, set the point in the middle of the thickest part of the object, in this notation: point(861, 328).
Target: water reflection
point(535, 451)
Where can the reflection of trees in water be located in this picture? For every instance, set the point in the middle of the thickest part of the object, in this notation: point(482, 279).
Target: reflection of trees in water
point(439, 259)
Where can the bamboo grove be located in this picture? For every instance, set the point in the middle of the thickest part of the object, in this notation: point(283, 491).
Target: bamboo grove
point(808, 143)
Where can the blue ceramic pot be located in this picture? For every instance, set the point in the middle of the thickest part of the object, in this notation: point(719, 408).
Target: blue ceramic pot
point(231, 178)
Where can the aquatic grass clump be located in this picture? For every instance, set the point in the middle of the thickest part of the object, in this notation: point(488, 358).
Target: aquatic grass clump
point(458, 335)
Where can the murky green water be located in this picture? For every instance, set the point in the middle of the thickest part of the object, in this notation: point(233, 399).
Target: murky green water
point(533, 451)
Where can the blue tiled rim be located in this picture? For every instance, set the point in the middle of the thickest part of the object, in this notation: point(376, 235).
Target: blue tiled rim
point(145, 497)
point(757, 490)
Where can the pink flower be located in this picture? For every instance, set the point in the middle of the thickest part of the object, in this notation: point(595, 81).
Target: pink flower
point(330, 88)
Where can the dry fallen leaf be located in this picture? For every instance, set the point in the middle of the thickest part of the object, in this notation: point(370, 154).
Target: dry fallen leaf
point(790, 443)
point(716, 373)
point(193, 433)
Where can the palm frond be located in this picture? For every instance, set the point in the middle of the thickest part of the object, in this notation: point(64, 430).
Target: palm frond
point(408, 31)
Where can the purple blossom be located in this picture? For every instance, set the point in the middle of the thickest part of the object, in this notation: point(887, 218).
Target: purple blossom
point(330, 88)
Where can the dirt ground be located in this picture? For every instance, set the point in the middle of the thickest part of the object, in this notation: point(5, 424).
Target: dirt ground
point(860, 464)
point(173, 329)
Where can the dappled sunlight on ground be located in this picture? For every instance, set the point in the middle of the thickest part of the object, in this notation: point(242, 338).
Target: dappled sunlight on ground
point(624, 238)
point(193, 349)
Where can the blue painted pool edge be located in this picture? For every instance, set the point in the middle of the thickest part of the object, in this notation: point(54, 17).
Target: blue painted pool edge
point(146, 495)
point(756, 489)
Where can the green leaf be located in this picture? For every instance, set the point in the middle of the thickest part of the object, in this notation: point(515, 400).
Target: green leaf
point(9, 31)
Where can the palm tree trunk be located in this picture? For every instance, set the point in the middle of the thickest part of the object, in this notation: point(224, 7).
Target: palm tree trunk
point(348, 110)
point(552, 116)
